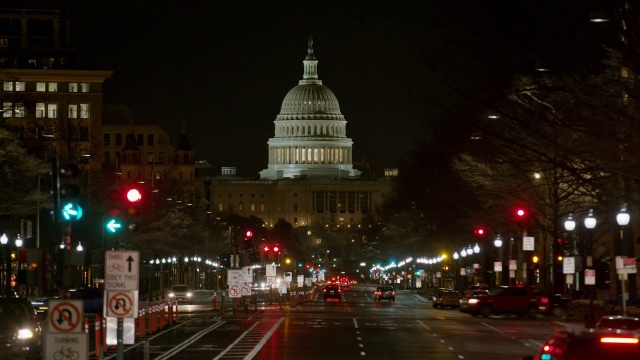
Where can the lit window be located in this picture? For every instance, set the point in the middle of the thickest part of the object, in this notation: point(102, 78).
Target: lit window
point(40, 110)
point(53, 87)
point(20, 86)
point(253, 207)
point(73, 87)
point(7, 109)
point(84, 111)
point(220, 207)
point(41, 86)
point(18, 110)
point(8, 86)
point(52, 110)
point(73, 111)
point(4, 42)
point(84, 87)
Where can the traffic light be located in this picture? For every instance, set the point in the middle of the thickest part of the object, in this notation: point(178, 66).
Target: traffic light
point(68, 192)
point(133, 201)
point(249, 255)
point(480, 231)
point(521, 216)
point(276, 253)
point(114, 210)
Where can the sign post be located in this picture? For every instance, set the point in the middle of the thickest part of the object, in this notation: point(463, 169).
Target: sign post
point(122, 274)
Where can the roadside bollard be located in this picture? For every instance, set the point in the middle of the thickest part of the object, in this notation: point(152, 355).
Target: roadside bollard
point(213, 298)
point(104, 335)
point(86, 324)
point(97, 335)
point(170, 311)
point(177, 313)
point(162, 315)
point(142, 322)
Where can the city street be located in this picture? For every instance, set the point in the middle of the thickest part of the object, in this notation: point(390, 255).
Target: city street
point(357, 327)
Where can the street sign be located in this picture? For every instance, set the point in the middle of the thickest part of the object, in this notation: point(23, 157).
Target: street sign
point(246, 289)
point(128, 331)
point(247, 274)
point(271, 269)
point(122, 268)
point(513, 265)
point(235, 291)
point(568, 265)
point(66, 346)
point(121, 304)
point(65, 316)
point(528, 243)
point(234, 277)
point(589, 277)
point(271, 280)
point(497, 266)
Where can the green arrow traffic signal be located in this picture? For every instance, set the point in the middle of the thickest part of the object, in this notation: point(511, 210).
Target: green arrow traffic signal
point(113, 226)
point(71, 211)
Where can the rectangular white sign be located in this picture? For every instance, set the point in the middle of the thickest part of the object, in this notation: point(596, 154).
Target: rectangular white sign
point(271, 269)
point(569, 265)
point(528, 243)
point(122, 269)
point(247, 274)
point(497, 266)
point(234, 277)
point(66, 346)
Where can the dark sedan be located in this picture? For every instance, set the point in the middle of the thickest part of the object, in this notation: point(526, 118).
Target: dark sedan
point(20, 333)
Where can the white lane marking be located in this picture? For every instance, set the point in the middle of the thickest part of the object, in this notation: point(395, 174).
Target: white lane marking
point(423, 325)
point(355, 323)
point(264, 340)
point(189, 341)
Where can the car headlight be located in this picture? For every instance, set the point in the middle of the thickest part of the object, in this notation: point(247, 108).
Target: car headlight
point(25, 334)
point(472, 301)
point(188, 294)
point(172, 294)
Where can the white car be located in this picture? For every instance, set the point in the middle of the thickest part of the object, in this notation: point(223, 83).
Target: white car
point(181, 293)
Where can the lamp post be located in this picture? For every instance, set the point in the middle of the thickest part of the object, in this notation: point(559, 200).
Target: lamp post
point(456, 257)
point(477, 267)
point(622, 219)
point(6, 272)
point(589, 223)
point(498, 244)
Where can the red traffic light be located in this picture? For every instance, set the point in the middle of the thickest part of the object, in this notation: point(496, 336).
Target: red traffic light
point(480, 231)
point(134, 195)
point(276, 248)
point(266, 249)
point(520, 212)
point(248, 234)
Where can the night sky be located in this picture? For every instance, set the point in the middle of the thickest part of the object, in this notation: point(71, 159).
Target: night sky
point(397, 68)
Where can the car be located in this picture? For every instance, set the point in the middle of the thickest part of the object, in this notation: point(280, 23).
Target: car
point(20, 333)
point(385, 293)
point(448, 298)
point(513, 299)
point(181, 292)
point(464, 301)
point(618, 323)
point(332, 291)
point(579, 344)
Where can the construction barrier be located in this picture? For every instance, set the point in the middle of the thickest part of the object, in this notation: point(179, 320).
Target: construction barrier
point(98, 336)
point(213, 298)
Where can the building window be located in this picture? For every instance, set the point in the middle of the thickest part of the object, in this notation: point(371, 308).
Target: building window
point(118, 139)
point(20, 86)
point(149, 139)
point(73, 87)
point(18, 110)
point(161, 157)
point(262, 207)
point(140, 139)
point(84, 87)
point(295, 207)
point(295, 221)
point(240, 206)
point(4, 43)
point(84, 111)
point(40, 109)
point(150, 158)
point(8, 86)
point(84, 133)
point(7, 109)
point(220, 207)
point(52, 111)
point(107, 158)
point(107, 139)
point(253, 207)
point(53, 87)
point(73, 111)
point(40, 87)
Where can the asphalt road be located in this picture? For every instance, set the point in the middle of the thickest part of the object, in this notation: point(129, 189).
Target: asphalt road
point(357, 327)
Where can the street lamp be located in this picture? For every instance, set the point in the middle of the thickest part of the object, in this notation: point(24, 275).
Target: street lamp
point(4, 240)
point(498, 244)
point(622, 219)
point(19, 242)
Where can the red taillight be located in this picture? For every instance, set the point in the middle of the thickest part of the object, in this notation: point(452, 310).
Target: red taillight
point(619, 340)
point(544, 300)
point(393, 293)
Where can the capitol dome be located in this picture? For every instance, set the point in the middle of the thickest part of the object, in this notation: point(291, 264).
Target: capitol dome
point(310, 98)
point(310, 132)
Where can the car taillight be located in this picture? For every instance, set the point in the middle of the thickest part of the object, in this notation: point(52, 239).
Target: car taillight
point(393, 293)
point(544, 300)
point(619, 340)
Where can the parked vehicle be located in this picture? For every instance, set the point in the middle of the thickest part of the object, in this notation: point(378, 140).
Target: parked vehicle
point(517, 299)
point(464, 301)
point(618, 323)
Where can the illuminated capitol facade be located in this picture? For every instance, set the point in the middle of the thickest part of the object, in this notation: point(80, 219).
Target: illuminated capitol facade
point(310, 180)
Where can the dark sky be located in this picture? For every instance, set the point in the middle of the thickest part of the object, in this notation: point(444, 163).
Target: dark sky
point(396, 67)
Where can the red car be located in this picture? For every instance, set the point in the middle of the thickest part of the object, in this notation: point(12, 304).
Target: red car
point(517, 299)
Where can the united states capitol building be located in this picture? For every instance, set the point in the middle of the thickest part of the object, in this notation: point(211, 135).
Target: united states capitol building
point(310, 180)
